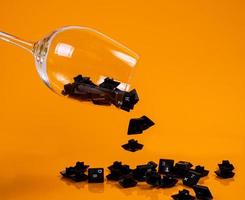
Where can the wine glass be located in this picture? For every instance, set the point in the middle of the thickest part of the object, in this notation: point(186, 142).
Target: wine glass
point(73, 50)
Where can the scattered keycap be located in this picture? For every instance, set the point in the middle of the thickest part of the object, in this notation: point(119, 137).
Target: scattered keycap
point(202, 192)
point(139, 173)
point(165, 166)
point(163, 176)
point(76, 173)
point(117, 171)
point(118, 166)
point(138, 125)
point(225, 170)
point(183, 195)
point(191, 178)
point(181, 168)
point(128, 181)
point(106, 93)
point(132, 145)
point(95, 175)
point(201, 170)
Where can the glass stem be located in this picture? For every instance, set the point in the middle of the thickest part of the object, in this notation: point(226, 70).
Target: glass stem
point(16, 41)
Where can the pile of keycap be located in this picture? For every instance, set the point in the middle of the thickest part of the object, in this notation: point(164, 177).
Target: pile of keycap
point(166, 174)
point(106, 93)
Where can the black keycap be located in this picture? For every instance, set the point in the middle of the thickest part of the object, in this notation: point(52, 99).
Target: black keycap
point(202, 192)
point(85, 80)
point(76, 172)
point(95, 175)
point(115, 165)
point(138, 125)
point(225, 170)
point(124, 169)
point(117, 170)
point(181, 168)
point(132, 146)
point(191, 178)
point(165, 166)
point(139, 172)
point(68, 89)
point(109, 84)
point(129, 99)
point(201, 170)
point(183, 195)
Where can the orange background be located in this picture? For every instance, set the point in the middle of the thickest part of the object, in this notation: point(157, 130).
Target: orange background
point(190, 79)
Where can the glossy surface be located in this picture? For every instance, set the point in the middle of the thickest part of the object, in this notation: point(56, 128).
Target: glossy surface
point(190, 80)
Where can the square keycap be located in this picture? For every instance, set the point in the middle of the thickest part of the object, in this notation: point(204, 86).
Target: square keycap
point(95, 175)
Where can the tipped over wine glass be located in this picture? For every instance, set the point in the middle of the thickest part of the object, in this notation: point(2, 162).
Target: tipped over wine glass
point(71, 51)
